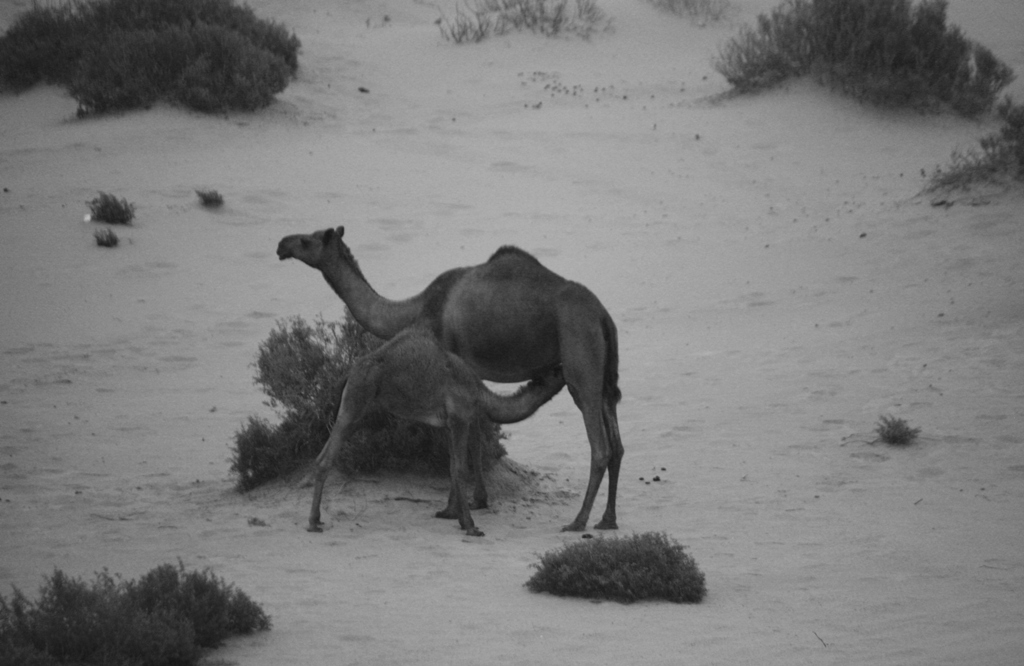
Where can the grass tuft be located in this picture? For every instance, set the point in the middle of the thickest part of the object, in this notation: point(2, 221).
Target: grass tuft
point(302, 368)
point(887, 52)
point(108, 208)
point(167, 617)
point(625, 569)
point(106, 238)
point(895, 432)
point(210, 198)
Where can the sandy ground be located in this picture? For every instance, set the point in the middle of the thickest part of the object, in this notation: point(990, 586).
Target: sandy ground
point(777, 281)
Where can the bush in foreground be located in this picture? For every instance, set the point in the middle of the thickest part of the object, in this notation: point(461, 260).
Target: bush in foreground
point(626, 569)
point(209, 55)
point(167, 617)
point(303, 368)
point(887, 52)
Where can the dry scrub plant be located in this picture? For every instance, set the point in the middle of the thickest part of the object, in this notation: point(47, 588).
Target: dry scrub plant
point(168, 617)
point(700, 11)
point(1001, 155)
point(106, 238)
point(303, 368)
point(888, 52)
point(546, 17)
point(108, 208)
point(626, 569)
point(895, 431)
point(209, 55)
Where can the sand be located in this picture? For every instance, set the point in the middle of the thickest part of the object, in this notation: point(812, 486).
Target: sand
point(778, 280)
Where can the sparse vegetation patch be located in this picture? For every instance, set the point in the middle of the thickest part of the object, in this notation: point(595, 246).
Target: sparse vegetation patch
point(106, 238)
point(108, 208)
point(167, 617)
point(302, 368)
point(550, 18)
point(209, 55)
point(999, 157)
point(210, 198)
point(895, 431)
point(699, 11)
point(887, 52)
point(644, 566)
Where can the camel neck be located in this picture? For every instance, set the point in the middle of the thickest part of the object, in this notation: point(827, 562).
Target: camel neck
point(380, 316)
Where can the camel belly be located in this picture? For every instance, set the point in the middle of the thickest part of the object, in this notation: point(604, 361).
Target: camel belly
point(502, 350)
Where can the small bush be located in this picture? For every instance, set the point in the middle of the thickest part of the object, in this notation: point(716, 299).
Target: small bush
point(626, 569)
point(303, 368)
point(546, 17)
point(701, 11)
point(1001, 155)
point(106, 238)
point(896, 432)
point(887, 52)
point(209, 55)
point(108, 208)
point(167, 617)
point(210, 198)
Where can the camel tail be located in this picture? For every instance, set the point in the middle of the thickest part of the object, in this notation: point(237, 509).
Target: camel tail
point(612, 394)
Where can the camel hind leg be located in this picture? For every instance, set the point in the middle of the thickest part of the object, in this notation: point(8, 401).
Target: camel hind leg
point(611, 429)
point(589, 352)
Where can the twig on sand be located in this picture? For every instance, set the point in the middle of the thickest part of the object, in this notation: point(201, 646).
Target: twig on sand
point(819, 638)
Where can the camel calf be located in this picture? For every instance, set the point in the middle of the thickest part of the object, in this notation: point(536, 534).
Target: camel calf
point(412, 377)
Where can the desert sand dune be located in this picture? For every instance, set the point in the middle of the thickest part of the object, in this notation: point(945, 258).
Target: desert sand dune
point(777, 279)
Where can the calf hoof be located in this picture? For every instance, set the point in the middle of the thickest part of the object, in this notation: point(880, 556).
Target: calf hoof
point(314, 527)
point(606, 524)
point(575, 527)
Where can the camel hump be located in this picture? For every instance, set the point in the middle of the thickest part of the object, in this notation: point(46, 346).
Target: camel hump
point(506, 250)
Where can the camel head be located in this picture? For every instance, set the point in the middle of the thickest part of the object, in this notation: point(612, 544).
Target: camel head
point(309, 248)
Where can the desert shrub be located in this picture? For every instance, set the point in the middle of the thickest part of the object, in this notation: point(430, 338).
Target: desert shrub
point(644, 566)
point(106, 238)
point(210, 198)
point(887, 52)
point(701, 11)
point(303, 368)
point(166, 618)
point(1001, 155)
point(210, 55)
point(895, 431)
point(546, 17)
point(108, 208)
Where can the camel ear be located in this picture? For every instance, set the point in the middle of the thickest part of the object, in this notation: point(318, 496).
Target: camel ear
point(326, 238)
point(340, 231)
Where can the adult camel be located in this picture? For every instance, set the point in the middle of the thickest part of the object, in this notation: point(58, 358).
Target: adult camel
point(510, 319)
point(412, 377)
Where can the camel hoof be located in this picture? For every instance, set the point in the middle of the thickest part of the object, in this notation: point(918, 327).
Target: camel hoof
point(474, 532)
point(447, 514)
point(607, 525)
point(314, 528)
point(478, 504)
point(574, 527)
